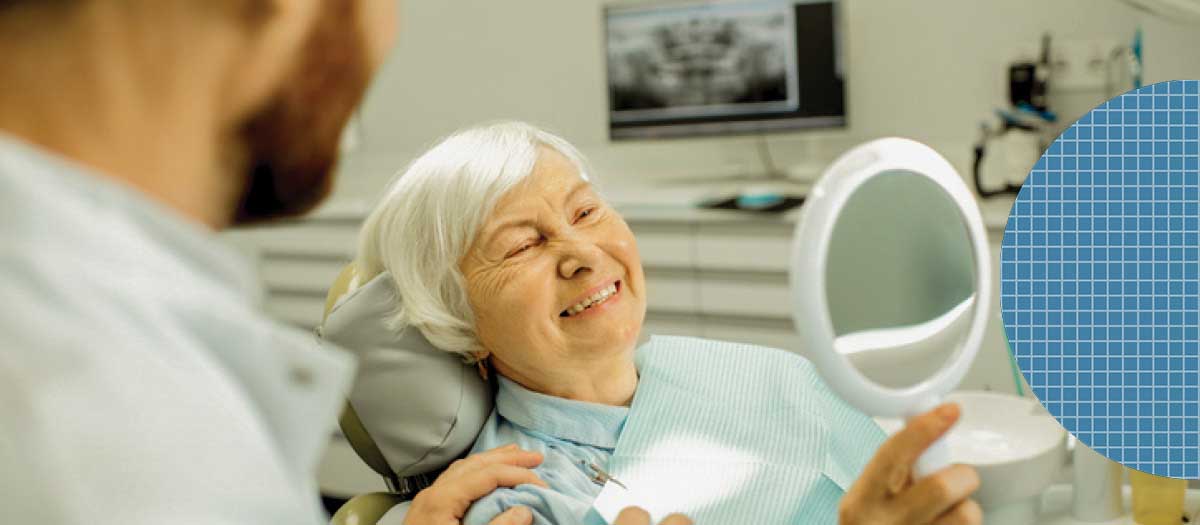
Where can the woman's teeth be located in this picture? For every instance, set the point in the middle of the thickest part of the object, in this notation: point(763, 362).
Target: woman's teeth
point(594, 300)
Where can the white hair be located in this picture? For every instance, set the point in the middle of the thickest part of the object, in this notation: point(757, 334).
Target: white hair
point(430, 215)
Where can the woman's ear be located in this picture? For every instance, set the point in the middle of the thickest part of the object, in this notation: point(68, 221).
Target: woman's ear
point(482, 364)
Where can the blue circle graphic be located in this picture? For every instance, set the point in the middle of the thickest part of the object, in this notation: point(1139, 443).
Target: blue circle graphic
point(1100, 279)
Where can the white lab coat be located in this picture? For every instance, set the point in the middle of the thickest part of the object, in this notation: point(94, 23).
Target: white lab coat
point(139, 383)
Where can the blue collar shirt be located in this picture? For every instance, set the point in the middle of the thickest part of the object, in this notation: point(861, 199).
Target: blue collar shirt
point(571, 435)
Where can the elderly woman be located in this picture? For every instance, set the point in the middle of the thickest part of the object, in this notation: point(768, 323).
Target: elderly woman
point(503, 251)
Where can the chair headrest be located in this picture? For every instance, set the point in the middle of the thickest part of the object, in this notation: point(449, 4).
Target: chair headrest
point(413, 408)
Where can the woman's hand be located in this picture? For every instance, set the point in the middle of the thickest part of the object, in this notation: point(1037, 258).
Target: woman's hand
point(466, 480)
point(638, 516)
point(886, 493)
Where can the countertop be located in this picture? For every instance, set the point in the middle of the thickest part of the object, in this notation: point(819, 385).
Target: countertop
point(652, 203)
point(1056, 507)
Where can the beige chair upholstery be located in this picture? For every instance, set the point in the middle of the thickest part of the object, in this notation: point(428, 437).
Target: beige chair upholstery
point(364, 509)
point(352, 427)
point(413, 408)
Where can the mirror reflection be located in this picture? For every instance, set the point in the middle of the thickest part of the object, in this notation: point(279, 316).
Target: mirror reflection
point(900, 280)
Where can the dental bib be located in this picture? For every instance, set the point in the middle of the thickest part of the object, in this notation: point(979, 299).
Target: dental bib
point(754, 436)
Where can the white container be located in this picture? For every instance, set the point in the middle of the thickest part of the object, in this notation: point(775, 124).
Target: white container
point(1017, 449)
point(1097, 480)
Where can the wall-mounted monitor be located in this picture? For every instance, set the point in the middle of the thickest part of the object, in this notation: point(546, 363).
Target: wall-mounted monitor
point(723, 67)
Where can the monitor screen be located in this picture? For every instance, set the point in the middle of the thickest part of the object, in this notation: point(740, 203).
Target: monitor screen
point(718, 67)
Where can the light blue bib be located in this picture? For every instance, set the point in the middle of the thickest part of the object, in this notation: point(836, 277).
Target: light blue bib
point(734, 433)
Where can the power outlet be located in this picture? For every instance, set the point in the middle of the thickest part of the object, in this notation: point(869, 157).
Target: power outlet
point(1081, 64)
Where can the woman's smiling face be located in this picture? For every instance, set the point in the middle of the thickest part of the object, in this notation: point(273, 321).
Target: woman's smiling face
point(554, 279)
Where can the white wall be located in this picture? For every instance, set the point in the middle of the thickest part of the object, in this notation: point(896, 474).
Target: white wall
point(926, 69)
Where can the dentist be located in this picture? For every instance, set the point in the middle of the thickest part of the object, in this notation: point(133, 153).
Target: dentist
point(139, 381)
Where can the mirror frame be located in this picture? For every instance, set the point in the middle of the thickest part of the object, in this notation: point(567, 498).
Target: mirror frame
point(810, 249)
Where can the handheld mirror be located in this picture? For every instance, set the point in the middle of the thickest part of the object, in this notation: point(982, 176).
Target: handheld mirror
point(891, 281)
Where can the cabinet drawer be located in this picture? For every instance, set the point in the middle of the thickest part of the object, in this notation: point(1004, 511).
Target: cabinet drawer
point(665, 245)
point(750, 295)
point(333, 241)
point(778, 336)
point(671, 291)
point(300, 310)
point(668, 324)
point(755, 246)
point(311, 276)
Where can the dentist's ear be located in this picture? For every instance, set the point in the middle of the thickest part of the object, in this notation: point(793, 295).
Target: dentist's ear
point(273, 32)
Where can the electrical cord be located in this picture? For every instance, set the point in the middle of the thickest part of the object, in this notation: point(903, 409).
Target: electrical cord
point(768, 161)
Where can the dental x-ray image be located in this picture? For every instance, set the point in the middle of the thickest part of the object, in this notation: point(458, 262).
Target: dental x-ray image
point(702, 60)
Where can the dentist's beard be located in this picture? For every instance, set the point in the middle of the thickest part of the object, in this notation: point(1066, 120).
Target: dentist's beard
point(292, 143)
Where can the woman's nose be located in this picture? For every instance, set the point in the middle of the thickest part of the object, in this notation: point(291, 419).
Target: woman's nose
point(578, 256)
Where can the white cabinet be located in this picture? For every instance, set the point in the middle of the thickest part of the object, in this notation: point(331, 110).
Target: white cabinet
point(296, 261)
point(666, 245)
point(672, 290)
point(739, 290)
point(717, 274)
point(763, 246)
point(755, 295)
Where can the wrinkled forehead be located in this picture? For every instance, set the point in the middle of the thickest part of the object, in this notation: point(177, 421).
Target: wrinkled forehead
point(553, 185)
point(553, 180)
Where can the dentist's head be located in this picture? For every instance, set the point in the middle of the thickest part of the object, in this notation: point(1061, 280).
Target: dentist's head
point(501, 248)
point(226, 110)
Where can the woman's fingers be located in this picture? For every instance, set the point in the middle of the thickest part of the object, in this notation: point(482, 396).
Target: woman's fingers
point(942, 492)
point(675, 519)
point(467, 480)
point(633, 516)
point(508, 454)
point(519, 515)
point(477, 483)
point(638, 516)
point(888, 470)
point(966, 513)
point(498, 451)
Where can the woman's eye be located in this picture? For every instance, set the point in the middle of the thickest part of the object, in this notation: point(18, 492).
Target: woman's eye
point(585, 214)
point(525, 246)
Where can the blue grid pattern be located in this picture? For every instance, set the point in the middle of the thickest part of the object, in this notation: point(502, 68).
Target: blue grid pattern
point(1100, 279)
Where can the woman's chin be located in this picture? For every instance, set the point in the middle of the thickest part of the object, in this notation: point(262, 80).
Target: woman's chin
point(610, 338)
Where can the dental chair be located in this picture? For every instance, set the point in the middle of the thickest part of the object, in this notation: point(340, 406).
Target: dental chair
point(413, 409)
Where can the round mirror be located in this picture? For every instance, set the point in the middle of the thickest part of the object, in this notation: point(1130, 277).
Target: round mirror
point(900, 279)
point(890, 280)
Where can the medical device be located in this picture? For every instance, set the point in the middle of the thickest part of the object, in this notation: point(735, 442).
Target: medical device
point(601, 476)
